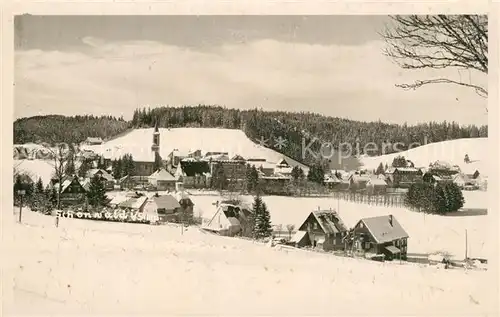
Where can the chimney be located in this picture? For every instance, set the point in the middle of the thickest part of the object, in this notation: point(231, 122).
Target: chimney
point(390, 220)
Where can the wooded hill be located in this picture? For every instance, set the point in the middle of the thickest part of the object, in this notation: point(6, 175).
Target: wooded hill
point(296, 128)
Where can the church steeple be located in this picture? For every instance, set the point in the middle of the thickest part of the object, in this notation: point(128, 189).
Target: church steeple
point(156, 138)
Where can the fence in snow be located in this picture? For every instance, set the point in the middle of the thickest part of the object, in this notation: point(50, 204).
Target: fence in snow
point(387, 200)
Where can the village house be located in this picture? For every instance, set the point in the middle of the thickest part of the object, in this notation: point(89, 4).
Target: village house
point(196, 154)
point(464, 181)
point(108, 180)
point(434, 178)
point(192, 173)
point(162, 180)
point(234, 170)
point(230, 219)
point(331, 181)
point(283, 168)
point(72, 191)
point(470, 171)
point(443, 168)
point(262, 165)
point(165, 207)
point(322, 229)
point(357, 182)
point(133, 204)
point(381, 235)
point(403, 177)
point(275, 184)
point(176, 156)
point(376, 186)
point(93, 141)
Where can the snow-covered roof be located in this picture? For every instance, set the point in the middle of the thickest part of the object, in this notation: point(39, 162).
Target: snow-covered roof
point(104, 174)
point(162, 175)
point(377, 181)
point(382, 230)
point(133, 203)
point(166, 202)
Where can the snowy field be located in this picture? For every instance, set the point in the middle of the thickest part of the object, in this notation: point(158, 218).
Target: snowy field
point(452, 151)
point(85, 267)
point(428, 233)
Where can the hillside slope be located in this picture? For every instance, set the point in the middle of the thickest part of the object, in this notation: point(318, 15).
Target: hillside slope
point(138, 143)
point(452, 151)
point(88, 267)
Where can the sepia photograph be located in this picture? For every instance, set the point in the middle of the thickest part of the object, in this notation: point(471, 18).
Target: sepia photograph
point(251, 165)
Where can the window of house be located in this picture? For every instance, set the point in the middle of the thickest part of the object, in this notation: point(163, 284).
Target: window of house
point(315, 226)
point(367, 245)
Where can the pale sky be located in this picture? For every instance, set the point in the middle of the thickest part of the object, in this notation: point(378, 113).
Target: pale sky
point(331, 65)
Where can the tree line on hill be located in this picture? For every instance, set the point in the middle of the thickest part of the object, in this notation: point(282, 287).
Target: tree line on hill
point(305, 128)
point(67, 129)
point(304, 132)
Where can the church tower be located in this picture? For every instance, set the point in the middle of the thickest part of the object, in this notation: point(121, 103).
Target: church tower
point(156, 139)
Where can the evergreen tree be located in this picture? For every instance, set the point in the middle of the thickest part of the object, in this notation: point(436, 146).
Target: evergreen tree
point(39, 185)
point(438, 200)
point(69, 167)
point(263, 228)
point(97, 192)
point(84, 168)
point(256, 210)
point(53, 197)
point(118, 169)
point(128, 165)
point(380, 169)
point(399, 161)
point(101, 163)
point(252, 178)
point(297, 173)
point(316, 174)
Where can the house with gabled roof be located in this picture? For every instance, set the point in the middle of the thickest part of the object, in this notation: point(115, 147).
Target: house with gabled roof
point(381, 235)
point(321, 229)
point(72, 191)
point(403, 177)
point(165, 208)
point(376, 186)
point(107, 179)
point(357, 182)
point(162, 180)
point(93, 141)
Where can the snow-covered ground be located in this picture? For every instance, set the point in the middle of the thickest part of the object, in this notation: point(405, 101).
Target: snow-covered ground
point(428, 233)
point(85, 267)
point(35, 169)
point(452, 151)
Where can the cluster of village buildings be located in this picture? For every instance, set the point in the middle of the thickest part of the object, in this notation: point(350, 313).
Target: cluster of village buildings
point(194, 169)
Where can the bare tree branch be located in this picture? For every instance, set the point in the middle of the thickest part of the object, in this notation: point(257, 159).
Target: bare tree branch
point(439, 42)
